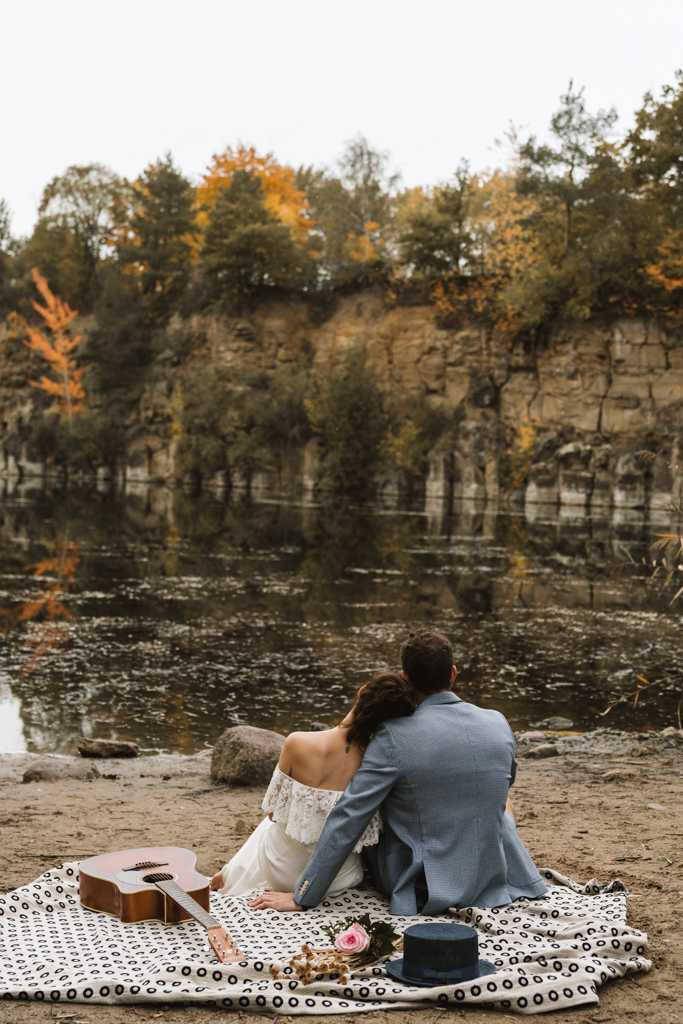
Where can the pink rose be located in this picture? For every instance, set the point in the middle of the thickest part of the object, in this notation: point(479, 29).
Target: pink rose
point(354, 940)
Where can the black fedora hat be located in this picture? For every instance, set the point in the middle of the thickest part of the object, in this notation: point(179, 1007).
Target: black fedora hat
point(439, 954)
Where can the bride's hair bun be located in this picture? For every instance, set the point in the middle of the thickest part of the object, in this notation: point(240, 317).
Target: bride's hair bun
point(384, 697)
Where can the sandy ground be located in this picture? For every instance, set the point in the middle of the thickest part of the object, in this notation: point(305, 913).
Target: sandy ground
point(584, 813)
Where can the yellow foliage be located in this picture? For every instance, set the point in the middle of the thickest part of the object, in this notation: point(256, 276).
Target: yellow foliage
point(365, 247)
point(404, 448)
point(281, 196)
point(57, 316)
point(506, 246)
point(517, 460)
point(16, 326)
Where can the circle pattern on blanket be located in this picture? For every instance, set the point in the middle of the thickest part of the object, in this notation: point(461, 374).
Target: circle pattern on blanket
point(549, 952)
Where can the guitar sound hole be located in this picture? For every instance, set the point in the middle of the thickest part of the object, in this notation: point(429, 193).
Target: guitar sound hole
point(159, 876)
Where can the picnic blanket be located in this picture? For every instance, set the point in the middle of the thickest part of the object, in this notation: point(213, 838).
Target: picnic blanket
point(549, 952)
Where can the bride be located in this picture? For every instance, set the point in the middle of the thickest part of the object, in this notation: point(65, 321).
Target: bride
point(314, 770)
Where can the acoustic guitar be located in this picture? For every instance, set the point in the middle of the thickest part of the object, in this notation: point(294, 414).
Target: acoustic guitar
point(156, 883)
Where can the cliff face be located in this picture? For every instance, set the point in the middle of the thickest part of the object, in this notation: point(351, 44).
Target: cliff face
point(572, 412)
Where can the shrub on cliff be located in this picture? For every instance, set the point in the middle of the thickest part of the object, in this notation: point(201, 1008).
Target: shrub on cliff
point(346, 409)
point(92, 440)
point(202, 423)
point(219, 427)
point(407, 445)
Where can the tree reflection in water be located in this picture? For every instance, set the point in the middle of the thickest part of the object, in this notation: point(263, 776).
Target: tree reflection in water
point(194, 613)
point(46, 611)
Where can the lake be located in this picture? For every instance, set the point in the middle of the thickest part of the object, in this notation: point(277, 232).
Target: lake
point(164, 618)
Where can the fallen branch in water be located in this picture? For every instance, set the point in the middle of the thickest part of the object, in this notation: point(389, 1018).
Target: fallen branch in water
point(622, 698)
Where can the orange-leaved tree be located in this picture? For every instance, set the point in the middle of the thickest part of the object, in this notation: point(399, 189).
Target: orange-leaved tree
point(666, 277)
point(280, 193)
point(68, 388)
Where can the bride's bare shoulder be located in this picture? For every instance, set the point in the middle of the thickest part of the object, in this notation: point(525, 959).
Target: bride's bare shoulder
point(306, 740)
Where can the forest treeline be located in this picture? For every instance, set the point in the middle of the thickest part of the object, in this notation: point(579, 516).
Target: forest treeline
point(589, 223)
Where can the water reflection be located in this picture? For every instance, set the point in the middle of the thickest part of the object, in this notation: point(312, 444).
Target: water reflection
point(166, 617)
point(45, 610)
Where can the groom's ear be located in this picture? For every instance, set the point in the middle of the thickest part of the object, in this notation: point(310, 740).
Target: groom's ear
point(404, 676)
point(453, 674)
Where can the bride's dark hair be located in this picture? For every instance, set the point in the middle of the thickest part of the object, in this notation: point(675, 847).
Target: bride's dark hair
point(384, 697)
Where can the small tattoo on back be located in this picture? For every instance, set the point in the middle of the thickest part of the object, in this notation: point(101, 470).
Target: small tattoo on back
point(347, 749)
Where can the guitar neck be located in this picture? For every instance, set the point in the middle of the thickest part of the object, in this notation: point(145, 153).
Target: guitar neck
point(190, 905)
point(223, 945)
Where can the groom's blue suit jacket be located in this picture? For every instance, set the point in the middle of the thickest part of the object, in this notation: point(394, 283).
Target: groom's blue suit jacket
point(441, 777)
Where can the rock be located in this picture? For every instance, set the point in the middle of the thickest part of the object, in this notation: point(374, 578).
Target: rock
point(246, 756)
point(620, 773)
point(671, 733)
point(545, 750)
point(531, 737)
point(318, 727)
point(656, 807)
point(107, 748)
point(558, 724)
point(54, 769)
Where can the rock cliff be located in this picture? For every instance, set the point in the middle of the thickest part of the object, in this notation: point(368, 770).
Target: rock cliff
point(571, 413)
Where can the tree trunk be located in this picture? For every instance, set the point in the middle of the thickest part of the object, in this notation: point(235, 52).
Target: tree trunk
point(567, 224)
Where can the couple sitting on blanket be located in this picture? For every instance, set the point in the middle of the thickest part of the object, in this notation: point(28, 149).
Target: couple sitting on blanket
point(413, 784)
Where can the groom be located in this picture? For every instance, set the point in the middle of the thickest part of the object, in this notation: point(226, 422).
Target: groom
point(441, 777)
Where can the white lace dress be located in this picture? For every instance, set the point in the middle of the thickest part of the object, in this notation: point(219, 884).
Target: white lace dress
point(276, 854)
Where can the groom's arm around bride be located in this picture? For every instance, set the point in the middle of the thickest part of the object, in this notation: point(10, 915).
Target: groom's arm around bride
point(442, 777)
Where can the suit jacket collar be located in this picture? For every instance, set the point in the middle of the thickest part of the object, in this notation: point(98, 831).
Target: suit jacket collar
point(447, 697)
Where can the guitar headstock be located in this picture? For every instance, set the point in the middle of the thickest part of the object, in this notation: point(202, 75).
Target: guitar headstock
point(224, 946)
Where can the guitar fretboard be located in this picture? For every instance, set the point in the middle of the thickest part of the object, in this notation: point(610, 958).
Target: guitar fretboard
point(184, 900)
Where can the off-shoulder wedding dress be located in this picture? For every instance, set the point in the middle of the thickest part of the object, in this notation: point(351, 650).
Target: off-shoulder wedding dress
point(276, 854)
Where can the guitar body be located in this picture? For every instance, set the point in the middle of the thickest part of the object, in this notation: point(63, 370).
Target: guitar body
point(131, 899)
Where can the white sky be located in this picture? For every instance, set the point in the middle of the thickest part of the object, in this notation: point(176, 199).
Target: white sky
point(432, 81)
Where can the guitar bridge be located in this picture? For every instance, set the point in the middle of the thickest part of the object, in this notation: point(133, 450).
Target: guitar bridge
point(143, 865)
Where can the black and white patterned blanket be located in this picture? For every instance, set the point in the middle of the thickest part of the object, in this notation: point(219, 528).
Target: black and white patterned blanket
point(549, 952)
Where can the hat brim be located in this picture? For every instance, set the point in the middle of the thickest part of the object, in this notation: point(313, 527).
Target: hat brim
point(395, 969)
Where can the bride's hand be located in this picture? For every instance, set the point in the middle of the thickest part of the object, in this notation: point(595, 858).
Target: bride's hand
point(282, 901)
point(216, 882)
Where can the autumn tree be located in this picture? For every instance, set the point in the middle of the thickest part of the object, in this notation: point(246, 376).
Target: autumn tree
point(655, 150)
point(352, 206)
point(157, 243)
point(433, 232)
point(279, 191)
point(591, 234)
point(67, 388)
point(76, 218)
point(247, 246)
point(560, 172)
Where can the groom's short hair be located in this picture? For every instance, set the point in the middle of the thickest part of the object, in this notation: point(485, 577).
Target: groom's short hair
point(427, 660)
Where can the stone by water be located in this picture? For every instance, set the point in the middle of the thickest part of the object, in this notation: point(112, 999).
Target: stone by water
point(183, 615)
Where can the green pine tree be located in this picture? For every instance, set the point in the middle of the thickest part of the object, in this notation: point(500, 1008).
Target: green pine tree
point(160, 234)
point(246, 246)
